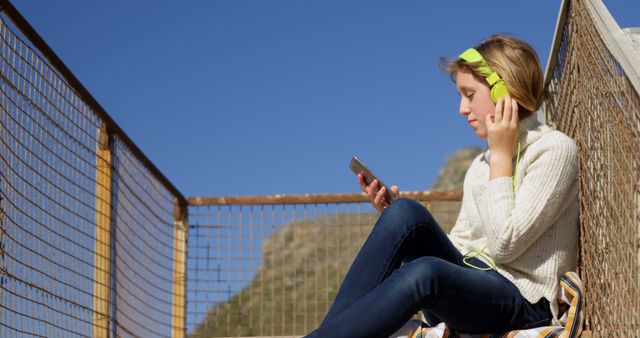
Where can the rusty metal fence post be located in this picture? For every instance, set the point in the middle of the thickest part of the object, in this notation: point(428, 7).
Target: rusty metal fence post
point(180, 229)
point(103, 253)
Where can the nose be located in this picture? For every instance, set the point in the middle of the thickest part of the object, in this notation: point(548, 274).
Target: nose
point(464, 107)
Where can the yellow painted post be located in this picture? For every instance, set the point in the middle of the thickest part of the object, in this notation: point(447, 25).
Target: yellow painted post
point(102, 267)
point(180, 230)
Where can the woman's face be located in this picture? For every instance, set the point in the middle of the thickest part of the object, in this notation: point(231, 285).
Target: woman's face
point(475, 101)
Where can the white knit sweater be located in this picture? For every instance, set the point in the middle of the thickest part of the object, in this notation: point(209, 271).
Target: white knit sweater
point(532, 233)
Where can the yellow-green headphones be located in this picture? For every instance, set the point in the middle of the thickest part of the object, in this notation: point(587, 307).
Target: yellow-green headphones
point(496, 83)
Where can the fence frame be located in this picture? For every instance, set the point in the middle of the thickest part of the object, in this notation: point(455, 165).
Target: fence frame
point(423, 196)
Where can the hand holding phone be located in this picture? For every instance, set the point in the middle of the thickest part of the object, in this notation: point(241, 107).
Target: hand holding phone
point(368, 176)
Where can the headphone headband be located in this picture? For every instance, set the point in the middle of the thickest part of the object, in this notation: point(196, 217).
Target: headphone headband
point(472, 55)
point(498, 87)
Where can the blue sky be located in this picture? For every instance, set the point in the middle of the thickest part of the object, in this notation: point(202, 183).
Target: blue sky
point(274, 97)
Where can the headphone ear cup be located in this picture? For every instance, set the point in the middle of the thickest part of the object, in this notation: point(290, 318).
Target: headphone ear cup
point(498, 90)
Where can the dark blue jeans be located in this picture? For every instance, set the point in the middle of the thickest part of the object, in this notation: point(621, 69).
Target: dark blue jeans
point(407, 264)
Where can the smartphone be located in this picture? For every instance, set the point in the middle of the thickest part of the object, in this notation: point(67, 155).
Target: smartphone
point(359, 168)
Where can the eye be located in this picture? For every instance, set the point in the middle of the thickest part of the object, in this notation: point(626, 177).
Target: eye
point(470, 94)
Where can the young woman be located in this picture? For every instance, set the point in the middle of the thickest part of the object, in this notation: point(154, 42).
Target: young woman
point(517, 231)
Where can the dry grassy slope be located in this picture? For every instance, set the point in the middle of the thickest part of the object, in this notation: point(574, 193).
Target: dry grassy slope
point(304, 260)
point(303, 264)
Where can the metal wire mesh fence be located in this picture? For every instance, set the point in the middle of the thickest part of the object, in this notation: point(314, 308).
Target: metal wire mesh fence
point(91, 235)
point(595, 102)
point(143, 260)
point(48, 198)
point(93, 239)
point(271, 265)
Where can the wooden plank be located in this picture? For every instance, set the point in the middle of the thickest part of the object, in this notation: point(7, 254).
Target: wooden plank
point(615, 40)
point(318, 198)
point(102, 266)
point(178, 311)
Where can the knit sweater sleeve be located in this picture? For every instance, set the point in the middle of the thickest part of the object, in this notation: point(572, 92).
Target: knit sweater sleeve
point(514, 221)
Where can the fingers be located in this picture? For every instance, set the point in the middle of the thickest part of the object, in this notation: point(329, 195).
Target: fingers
point(372, 190)
point(502, 133)
point(488, 121)
point(498, 110)
point(506, 113)
point(376, 193)
point(362, 183)
point(379, 200)
point(514, 113)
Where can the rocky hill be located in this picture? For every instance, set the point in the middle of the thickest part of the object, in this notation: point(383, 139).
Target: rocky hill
point(303, 264)
point(451, 175)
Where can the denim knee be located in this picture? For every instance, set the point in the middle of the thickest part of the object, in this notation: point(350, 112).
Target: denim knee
point(405, 213)
point(419, 279)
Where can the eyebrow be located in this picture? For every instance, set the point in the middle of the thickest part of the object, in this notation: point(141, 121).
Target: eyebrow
point(465, 88)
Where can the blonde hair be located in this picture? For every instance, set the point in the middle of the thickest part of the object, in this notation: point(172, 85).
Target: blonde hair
point(517, 64)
